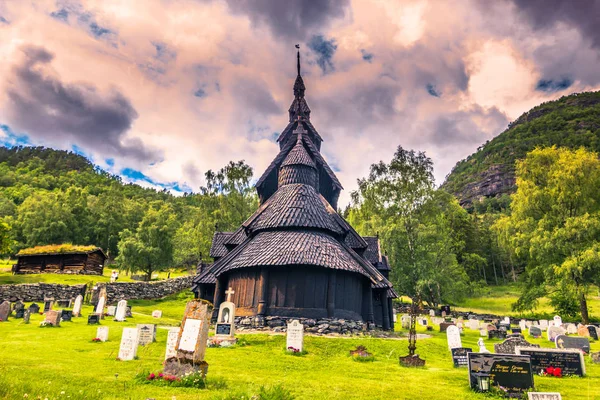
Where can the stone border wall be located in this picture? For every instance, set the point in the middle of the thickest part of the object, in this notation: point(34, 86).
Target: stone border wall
point(322, 326)
point(142, 290)
point(40, 291)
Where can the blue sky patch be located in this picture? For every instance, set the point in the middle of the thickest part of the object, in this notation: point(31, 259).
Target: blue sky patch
point(325, 50)
point(135, 175)
point(11, 139)
point(368, 57)
point(432, 90)
point(110, 162)
point(551, 85)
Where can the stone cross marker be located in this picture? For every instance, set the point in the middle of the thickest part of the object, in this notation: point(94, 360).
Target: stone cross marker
point(171, 350)
point(453, 336)
point(4, 311)
point(53, 318)
point(295, 336)
point(102, 333)
point(191, 340)
point(225, 326)
point(147, 333)
point(129, 344)
point(77, 306)
point(121, 309)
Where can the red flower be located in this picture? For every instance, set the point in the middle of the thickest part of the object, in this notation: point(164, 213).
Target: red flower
point(550, 370)
point(160, 374)
point(151, 376)
point(557, 372)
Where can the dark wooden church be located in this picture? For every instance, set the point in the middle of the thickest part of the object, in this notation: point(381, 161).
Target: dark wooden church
point(296, 256)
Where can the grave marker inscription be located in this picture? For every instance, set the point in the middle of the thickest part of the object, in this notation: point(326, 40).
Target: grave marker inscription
point(571, 362)
point(512, 372)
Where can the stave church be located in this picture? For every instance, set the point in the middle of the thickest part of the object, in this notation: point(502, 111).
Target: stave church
point(296, 256)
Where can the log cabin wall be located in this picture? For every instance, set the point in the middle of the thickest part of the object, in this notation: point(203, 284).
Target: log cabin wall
point(89, 264)
point(297, 291)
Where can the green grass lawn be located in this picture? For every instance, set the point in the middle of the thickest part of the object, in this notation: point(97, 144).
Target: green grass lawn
point(45, 362)
point(6, 277)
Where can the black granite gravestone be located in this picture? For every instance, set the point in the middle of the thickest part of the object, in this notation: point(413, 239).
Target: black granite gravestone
point(569, 361)
point(593, 332)
point(19, 313)
point(570, 342)
point(66, 315)
point(535, 331)
point(34, 308)
point(47, 306)
point(459, 356)
point(512, 372)
point(223, 329)
point(445, 309)
point(93, 319)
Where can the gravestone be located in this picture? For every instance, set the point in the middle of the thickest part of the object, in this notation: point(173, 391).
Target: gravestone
point(566, 342)
point(437, 320)
point(26, 316)
point(191, 340)
point(156, 314)
point(225, 326)
point(101, 302)
point(459, 356)
point(147, 334)
point(171, 343)
point(405, 321)
point(512, 372)
point(63, 303)
point(394, 315)
point(544, 396)
point(595, 357)
point(516, 331)
point(483, 332)
point(4, 310)
point(129, 344)
point(121, 309)
point(528, 323)
point(473, 324)
point(571, 329)
point(111, 311)
point(66, 315)
point(570, 361)
point(583, 331)
point(543, 324)
point(445, 309)
point(506, 321)
point(557, 320)
point(19, 309)
point(93, 319)
point(128, 313)
point(432, 313)
point(593, 332)
point(52, 317)
point(444, 326)
point(453, 337)
point(535, 331)
point(523, 325)
point(102, 333)
point(554, 331)
point(482, 348)
point(48, 305)
point(77, 306)
point(295, 336)
point(34, 308)
point(509, 345)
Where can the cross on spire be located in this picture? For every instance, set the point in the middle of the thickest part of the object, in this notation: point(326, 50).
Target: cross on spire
point(298, 47)
point(300, 130)
point(229, 293)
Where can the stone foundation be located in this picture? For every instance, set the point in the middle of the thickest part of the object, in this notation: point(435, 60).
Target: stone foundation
point(322, 326)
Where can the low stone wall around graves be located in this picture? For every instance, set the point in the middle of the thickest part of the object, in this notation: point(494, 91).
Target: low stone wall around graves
point(323, 326)
point(40, 291)
point(143, 290)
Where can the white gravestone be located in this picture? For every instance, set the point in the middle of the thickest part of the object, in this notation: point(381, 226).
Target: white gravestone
point(523, 325)
point(473, 324)
point(225, 326)
point(102, 333)
point(554, 331)
point(572, 329)
point(506, 320)
point(295, 336)
point(453, 336)
point(543, 324)
point(156, 314)
point(147, 333)
point(121, 310)
point(77, 306)
point(189, 336)
point(111, 310)
point(557, 320)
point(432, 313)
point(405, 321)
point(483, 332)
point(171, 343)
point(129, 344)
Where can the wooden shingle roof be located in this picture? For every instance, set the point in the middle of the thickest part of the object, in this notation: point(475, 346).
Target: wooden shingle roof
point(217, 248)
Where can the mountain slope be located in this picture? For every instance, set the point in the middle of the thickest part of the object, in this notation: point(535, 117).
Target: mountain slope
point(571, 121)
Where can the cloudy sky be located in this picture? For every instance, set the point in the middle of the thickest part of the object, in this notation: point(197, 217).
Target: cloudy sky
point(160, 91)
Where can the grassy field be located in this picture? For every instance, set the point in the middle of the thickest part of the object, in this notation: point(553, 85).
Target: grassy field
point(6, 277)
point(61, 363)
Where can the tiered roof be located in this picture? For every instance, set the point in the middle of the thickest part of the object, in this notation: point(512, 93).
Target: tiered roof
point(296, 223)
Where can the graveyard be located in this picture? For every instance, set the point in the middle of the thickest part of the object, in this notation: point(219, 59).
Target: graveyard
point(58, 362)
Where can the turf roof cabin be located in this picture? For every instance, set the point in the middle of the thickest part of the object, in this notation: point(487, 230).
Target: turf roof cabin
point(60, 259)
point(296, 256)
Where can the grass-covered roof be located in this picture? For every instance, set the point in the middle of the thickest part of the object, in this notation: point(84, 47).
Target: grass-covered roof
point(65, 248)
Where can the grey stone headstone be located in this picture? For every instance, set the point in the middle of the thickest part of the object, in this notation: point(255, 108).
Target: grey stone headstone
point(26, 316)
point(4, 311)
point(535, 331)
point(509, 345)
point(34, 308)
point(146, 333)
point(566, 342)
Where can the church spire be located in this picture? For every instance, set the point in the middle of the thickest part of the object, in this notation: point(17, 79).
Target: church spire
point(299, 108)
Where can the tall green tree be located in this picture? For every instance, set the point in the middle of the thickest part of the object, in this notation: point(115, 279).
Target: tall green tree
point(554, 227)
point(150, 247)
point(5, 237)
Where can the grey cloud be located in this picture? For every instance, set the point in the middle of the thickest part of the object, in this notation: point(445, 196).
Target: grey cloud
point(48, 108)
point(293, 19)
point(580, 14)
point(255, 97)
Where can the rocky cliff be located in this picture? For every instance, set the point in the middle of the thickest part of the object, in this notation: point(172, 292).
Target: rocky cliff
point(571, 121)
